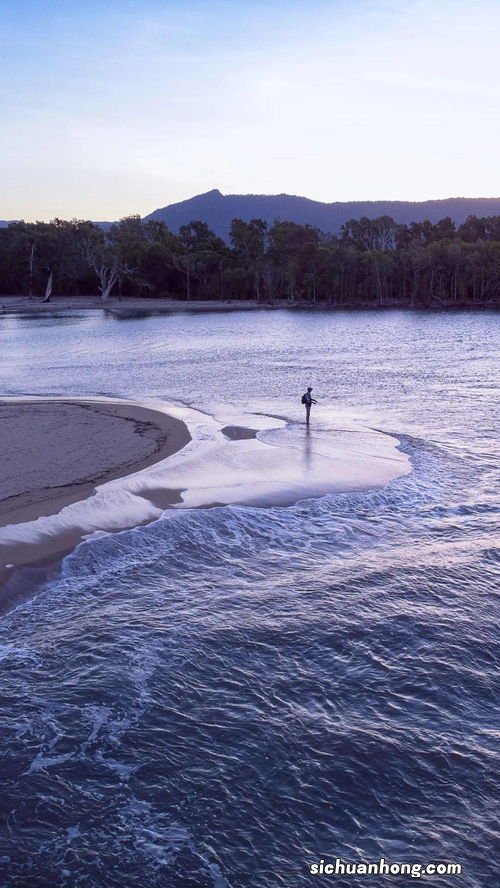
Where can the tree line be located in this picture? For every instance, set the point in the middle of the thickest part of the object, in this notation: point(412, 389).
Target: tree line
point(371, 262)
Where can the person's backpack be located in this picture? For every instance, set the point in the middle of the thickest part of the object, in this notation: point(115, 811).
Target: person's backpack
point(303, 399)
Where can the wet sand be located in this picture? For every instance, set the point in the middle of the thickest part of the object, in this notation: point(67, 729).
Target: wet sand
point(73, 468)
point(238, 433)
point(57, 452)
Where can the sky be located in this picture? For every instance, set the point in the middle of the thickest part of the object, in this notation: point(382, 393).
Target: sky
point(114, 107)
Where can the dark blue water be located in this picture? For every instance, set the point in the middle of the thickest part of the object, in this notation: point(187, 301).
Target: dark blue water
point(226, 696)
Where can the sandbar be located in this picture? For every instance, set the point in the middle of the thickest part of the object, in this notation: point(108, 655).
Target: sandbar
point(78, 467)
point(56, 452)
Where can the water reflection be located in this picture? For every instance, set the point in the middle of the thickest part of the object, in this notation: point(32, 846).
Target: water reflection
point(307, 448)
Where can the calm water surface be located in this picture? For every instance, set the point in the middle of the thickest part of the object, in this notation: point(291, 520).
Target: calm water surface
point(225, 696)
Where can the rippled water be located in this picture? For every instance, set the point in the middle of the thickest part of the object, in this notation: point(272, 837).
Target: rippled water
point(225, 696)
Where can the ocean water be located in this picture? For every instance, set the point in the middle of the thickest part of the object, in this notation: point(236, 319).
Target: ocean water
point(226, 696)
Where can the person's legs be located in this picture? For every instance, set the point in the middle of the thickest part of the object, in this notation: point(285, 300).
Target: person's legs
point(308, 413)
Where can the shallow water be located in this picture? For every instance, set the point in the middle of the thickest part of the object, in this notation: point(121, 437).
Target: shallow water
point(225, 696)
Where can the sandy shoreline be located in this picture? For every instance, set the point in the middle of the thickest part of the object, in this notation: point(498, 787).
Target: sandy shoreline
point(76, 467)
point(126, 307)
point(138, 307)
point(57, 452)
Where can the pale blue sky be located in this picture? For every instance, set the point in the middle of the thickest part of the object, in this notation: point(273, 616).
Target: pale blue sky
point(110, 108)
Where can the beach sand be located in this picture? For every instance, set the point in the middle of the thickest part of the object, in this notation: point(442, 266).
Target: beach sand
point(57, 452)
point(74, 468)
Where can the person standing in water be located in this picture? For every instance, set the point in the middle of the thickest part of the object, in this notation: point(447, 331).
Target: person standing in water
point(308, 400)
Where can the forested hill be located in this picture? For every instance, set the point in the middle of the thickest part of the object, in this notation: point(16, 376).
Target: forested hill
point(370, 263)
point(218, 210)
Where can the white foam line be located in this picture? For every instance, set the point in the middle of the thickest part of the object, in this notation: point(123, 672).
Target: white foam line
point(284, 464)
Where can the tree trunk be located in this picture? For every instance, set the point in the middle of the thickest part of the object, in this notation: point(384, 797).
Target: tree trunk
point(32, 257)
point(108, 278)
point(188, 280)
point(48, 289)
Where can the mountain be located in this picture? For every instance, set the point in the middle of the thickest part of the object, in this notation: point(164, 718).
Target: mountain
point(218, 210)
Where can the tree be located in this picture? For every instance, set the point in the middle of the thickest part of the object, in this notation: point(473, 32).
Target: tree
point(104, 255)
point(370, 234)
point(292, 251)
point(201, 258)
point(248, 240)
